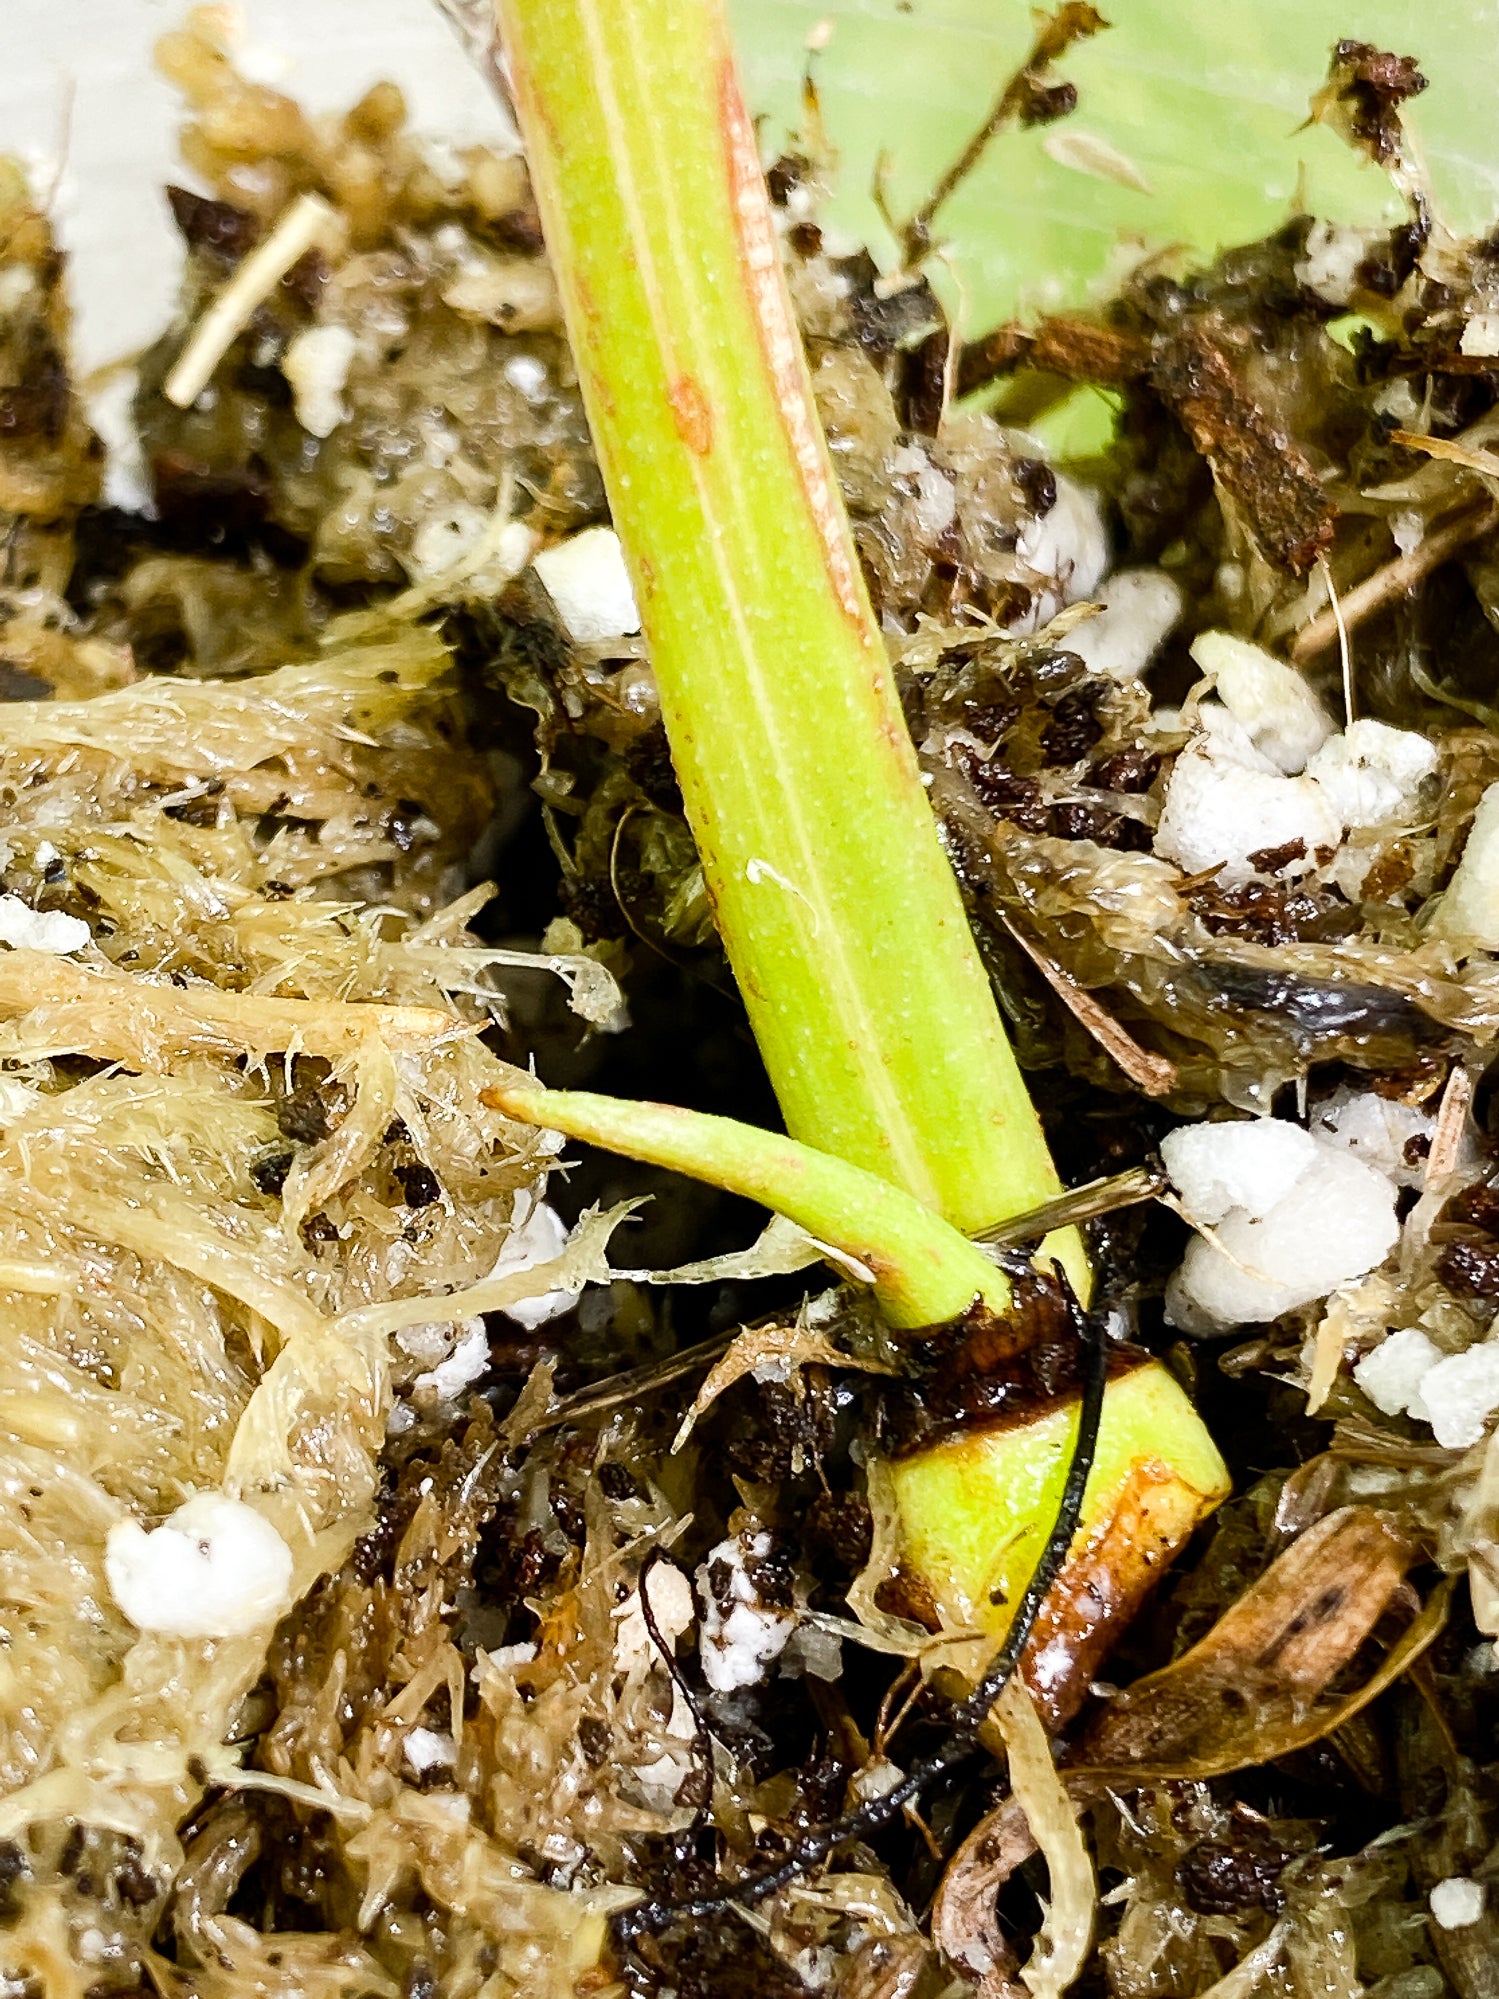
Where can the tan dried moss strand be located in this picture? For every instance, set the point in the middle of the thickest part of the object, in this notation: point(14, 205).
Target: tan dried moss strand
point(72, 1008)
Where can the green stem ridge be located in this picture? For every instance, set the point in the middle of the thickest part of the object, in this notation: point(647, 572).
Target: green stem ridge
point(924, 1270)
point(838, 909)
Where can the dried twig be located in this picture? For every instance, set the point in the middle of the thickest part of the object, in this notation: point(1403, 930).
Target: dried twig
point(1398, 578)
point(1028, 98)
point(1153, 1074)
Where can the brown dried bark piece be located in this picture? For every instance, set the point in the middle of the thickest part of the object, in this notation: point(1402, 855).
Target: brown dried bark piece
point(996, 353)
point(216, 226)
point(1084, 351)
point(1251, 456)
point(1080, 349)
point(966, 1923)
point(923, 382)
point(1478, 1205)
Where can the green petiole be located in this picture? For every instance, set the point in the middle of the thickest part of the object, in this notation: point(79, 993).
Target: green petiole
point(923, 1271)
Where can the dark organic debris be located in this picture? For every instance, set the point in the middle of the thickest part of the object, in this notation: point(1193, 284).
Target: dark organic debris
point(1257, 463)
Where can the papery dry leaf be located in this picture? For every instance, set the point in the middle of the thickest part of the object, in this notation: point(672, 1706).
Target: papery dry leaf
point(1252, 1689)
point(780, 1249)
point(883, 1630)
point(1247, 1694)
point(965, 1915)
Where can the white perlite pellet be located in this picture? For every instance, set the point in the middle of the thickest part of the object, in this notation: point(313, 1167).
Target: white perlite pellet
point(587, 581)
point(1392, 1375)
point(1329, 1218)
point(429, 1749)
point(1140, 608)
point(1457, 1902)
point(1459, 1395)
point(214, 1569)
point(740, 1636)
point(1267, 698)
point(538, 1234)
point(1468, 914)
point(1243, 1163)
point(50, 930)
point(316, 364)
point(1371, 773)
point(1377, 1130)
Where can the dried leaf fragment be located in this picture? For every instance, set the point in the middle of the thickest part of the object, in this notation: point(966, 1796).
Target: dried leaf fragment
point(1253, 1688)
point(1248, 1693)
point(965, 1915)
point(1042, 1813)
point(1472, 457)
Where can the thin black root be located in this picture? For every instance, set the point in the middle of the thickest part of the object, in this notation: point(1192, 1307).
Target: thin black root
point(962, 1737)
point(702, 1741)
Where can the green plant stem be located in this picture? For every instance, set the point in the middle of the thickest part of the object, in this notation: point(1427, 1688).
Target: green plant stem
point(837, 907)
point(923, 1270)
point(838, 910)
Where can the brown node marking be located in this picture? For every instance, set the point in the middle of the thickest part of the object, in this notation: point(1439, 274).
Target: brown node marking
point(691, 414)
